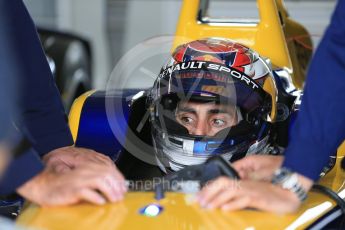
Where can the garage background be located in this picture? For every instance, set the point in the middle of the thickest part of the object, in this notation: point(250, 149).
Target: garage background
point(114, 26)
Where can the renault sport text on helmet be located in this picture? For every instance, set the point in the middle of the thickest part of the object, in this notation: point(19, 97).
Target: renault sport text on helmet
point(212, 75)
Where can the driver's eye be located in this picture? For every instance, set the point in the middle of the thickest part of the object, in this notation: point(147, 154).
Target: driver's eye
point(218, 122)
point(186, 120)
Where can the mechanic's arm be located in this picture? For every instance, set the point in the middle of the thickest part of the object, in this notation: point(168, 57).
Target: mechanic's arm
point(23, 166)
point(43, 119)
point(320, 125)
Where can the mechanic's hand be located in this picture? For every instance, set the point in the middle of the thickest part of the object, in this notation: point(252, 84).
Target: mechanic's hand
point(90, 182)
point(228, 195)
point(67, 158)
point(258, 167)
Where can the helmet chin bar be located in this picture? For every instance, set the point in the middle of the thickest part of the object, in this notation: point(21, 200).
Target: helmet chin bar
point(179, 152)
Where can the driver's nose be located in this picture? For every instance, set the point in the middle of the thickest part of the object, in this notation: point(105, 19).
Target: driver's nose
point(201, 128)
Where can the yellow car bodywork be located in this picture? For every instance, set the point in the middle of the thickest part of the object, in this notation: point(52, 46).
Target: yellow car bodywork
point(180, 212)
point(271, 38)
point(276, 36)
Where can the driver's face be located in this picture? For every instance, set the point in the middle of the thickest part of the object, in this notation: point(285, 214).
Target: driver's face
point(205, 119)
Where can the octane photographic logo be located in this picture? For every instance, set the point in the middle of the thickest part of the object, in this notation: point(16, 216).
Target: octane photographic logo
point(138, 69)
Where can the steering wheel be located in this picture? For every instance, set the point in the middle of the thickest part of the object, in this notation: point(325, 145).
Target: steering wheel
point(225, 168)
point(214, 167)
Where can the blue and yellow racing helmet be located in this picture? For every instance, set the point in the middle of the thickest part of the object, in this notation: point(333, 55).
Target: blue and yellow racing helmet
point(214, 96)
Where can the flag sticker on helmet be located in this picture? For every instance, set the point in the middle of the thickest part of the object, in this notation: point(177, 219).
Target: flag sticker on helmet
point(217, 89)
